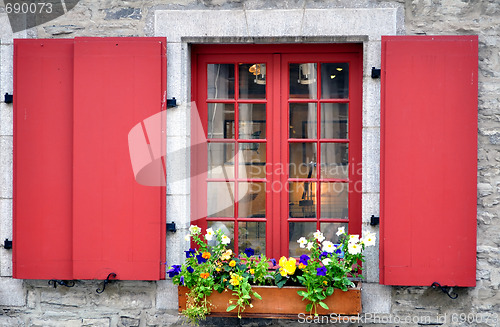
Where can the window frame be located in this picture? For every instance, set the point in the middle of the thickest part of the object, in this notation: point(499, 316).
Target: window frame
point(277, 242)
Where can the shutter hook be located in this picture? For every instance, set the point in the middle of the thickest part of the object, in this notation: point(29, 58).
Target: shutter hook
point(447, 290)
point(105, 282)
point(67, 283)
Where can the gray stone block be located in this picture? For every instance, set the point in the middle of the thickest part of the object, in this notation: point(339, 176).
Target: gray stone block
point(371, 160)
point(6, 167)
point(12, 292)
point(376, 298)
point(166, 295)
point(274, 22)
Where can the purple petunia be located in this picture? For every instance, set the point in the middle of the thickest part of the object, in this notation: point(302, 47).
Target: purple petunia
point(321, 271)
point(190, 253)
point(174, 271)
point(304, 259)
point(182, 280)
point(273, 261)
point(190, 269)
point(249, 252)
point(200, 258)
point(339, 251)
point(323, 255)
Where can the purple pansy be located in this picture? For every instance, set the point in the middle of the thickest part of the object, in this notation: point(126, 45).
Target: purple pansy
point(304, 259)
point(249, 252)
point(321, 271)
point(174, 271)
point(190, 269)
point(190, 253)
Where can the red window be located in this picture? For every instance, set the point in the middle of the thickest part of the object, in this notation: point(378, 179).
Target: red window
point(276, 143)
point(78, 211)
point(429, 160)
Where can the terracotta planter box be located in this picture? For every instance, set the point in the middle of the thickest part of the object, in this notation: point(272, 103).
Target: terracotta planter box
point(281, 302)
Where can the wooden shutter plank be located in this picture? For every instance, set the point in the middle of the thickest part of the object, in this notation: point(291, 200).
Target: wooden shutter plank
point(119, 225)
point(429, 160)
point(42, 227)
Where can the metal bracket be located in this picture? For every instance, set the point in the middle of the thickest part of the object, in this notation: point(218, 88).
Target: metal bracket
point(8, 98)
point(376, 72)
point(67, 283)
point(171, 103)
point(7, 244)
point(447, 290)
point(171, 227)
point(105, 282)
point(374, 221)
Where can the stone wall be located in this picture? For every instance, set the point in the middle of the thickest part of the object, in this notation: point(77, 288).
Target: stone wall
point(125, 303)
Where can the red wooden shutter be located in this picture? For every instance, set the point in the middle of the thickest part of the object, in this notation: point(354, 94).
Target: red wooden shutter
point(43, 91)
point(429, 160)
point(111, 222)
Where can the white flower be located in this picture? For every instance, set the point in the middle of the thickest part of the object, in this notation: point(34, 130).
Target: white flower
point(353, 239)
point(302, 242)
point(354, 248)
point(340, 231)
point(310, 246)
point(369, 239)
point(225, 240)
point(187, 237)
point(328, 247)
point(319, 236)
point(194, 230)
point(326, 261)
point(210, 234)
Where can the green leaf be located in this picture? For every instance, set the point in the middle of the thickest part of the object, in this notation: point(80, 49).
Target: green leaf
point(231, 307)
point(281, 283)
point(329, 291)
point(309, 307)
point(302, 293)
point(257, 295)
point(323, 305)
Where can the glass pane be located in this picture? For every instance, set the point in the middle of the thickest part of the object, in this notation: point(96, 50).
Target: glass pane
point(221, 160)
point(227, 227)
point(303, 121)
point(335, 160)
point(296, 231)
point(252, 235)
point(303, 83)
point(330, 231)
point(335, 81)
point(220, 121)
point(220, 199)
point(252, 200)
point(334, 200)
point(252, 81)
point(302, 160)
point(220, 81)
point(302, 200)
point(334, 120)
point(252, 120)
point(252, 160)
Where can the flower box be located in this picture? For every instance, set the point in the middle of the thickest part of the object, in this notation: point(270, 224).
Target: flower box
point(281, 302)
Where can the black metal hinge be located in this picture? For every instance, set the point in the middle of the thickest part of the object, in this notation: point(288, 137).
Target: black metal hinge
point(171, 227)
point(171, 103)
point(7, 244)
point(8, 98)
point(376, 72)
point(374, 221)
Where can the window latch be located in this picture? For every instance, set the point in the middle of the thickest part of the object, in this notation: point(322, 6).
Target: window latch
point(446, 290)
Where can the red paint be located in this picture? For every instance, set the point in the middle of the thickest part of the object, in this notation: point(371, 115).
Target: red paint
point(105, 221)
point(429, 160)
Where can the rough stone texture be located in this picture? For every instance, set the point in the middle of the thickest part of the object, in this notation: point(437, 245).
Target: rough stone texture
point(34, 303)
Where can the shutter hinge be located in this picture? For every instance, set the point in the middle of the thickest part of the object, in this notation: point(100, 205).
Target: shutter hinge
point(8, 98)
point(171, 227)
point(446, 290)
point(7, 244)
point(105, 282)
point(376, 72)
point(171, 103)
point(374, 221)
point(67, 283)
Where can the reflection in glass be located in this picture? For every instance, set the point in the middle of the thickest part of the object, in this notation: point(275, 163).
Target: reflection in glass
point(227, 227)
point(252, 160)
point(334, 120)
point(335, 81)
point(220, 199)
point(334, 200)
point(335, 160)
point(252, 200)
point(330, 231)
point(220, 121)
point(303, 120)
point(220, 81)
point(297, 230)
point(302, 200)
point(252, 81)
point(303, 83)
point(252, 235)
point(220, 160)
point(252, 120)
point(302, 160)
